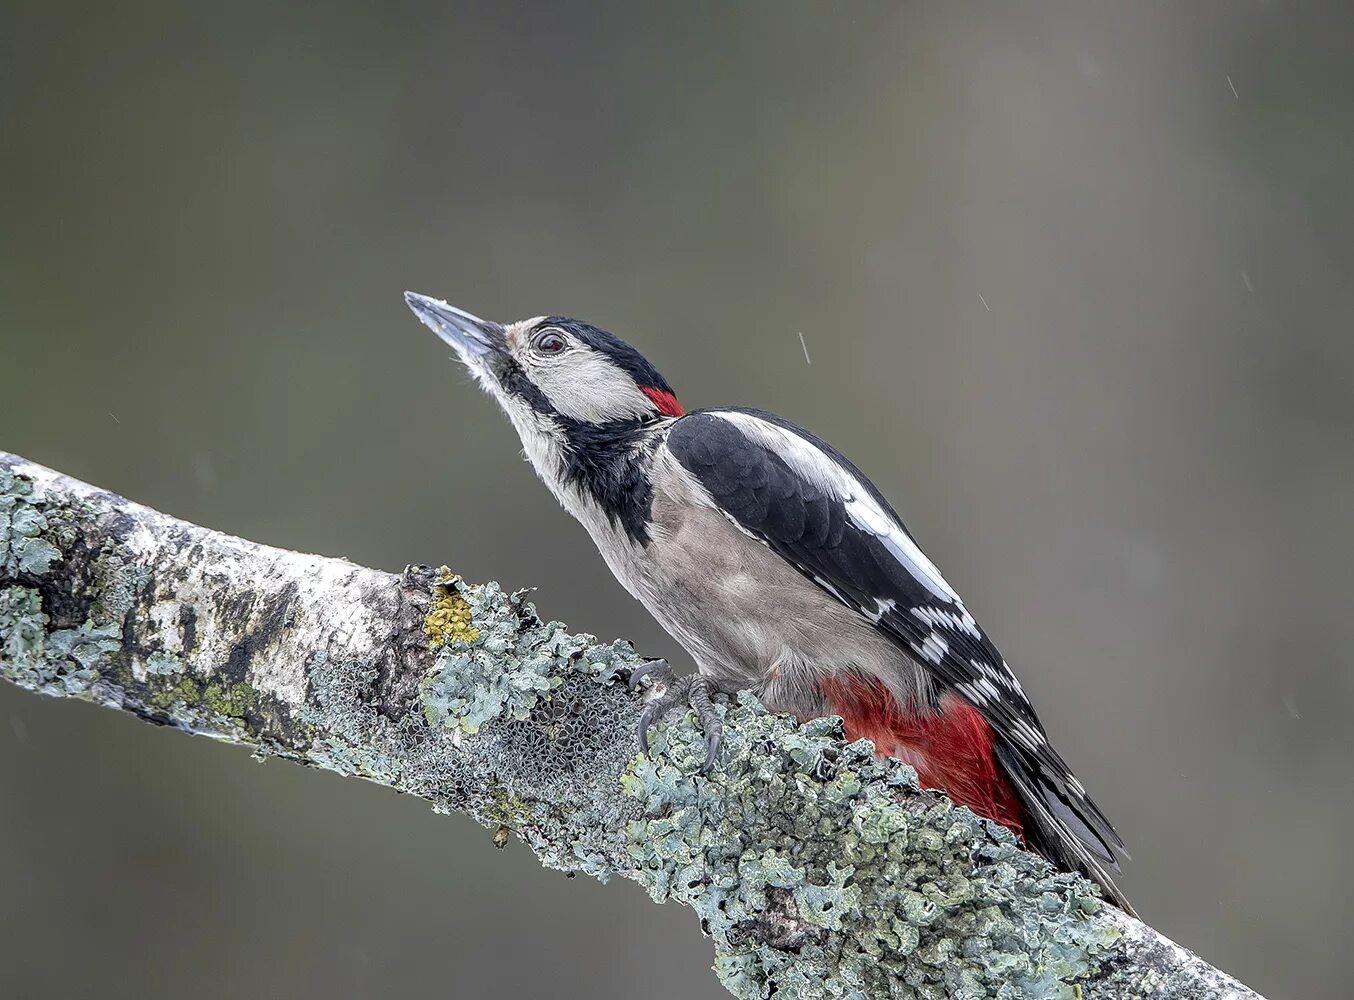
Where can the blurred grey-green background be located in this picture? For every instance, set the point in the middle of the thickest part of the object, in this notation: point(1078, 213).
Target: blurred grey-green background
point(1075, 282)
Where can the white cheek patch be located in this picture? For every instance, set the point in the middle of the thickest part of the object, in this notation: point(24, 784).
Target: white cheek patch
point(584, 385)
point(863, 510)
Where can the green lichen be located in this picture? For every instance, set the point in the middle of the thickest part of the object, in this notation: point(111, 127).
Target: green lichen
point(179, 694)
point(35, 656)
point(115, 586)
point(817, 870)
point(504, 807)
point(203, 705)
point(338, 755)
point(468, 683)
point(793, 816)
point(23, 626)
point(230, 701)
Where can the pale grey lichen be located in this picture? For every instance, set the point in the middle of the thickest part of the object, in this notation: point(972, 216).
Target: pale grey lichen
point(68, 661)
point(501, 668)
point(163, 664)
point(53, 661)
point(23, 626)
point(468, 685)
point(351, 737)
point(115, 586)
point(23, 549)
point(891, 874)
point(817, 870)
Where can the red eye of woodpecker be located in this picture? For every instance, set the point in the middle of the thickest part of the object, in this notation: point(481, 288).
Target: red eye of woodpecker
point(549, 342)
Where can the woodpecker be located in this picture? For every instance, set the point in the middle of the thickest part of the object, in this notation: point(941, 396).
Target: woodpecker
point(780, 568)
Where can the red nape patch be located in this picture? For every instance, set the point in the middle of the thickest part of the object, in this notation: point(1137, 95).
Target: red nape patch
point(951, 750)
point(665, 401)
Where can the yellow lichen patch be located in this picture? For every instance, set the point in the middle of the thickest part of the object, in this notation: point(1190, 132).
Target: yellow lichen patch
point(449, 619)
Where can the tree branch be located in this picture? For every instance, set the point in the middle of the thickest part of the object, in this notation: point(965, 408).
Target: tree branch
point(817, 870)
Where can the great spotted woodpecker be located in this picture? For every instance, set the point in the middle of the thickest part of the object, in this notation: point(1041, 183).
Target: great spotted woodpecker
point(779, 568)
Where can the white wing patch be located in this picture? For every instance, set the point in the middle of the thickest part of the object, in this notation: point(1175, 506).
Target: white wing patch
point(972, 693)
point(881, 608)
point(1027, 735)
point(862, 509)
point(933, 648)
point(1002, 678)
point(959, 620)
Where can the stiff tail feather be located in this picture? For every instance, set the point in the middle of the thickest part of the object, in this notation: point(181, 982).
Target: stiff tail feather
point(1062, 835)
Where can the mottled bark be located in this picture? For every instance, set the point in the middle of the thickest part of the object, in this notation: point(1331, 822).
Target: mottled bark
point(816, 870)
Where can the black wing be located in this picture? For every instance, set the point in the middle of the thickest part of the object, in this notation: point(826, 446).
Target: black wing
point(813, 507)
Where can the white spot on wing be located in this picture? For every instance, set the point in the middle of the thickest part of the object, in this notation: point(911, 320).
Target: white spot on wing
point(943, 618)
point(972, 693)
point(1027, 734)
point(934, 648)
point(881, 608)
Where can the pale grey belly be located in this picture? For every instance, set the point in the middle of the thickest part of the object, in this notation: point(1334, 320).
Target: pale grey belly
point(751, 620)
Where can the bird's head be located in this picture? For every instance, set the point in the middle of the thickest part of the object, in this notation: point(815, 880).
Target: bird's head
point(556, 378)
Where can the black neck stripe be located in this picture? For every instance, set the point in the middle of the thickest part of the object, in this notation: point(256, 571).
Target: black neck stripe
point(611, 462)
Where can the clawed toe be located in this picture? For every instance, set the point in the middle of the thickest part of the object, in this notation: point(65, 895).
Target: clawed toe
point(693, 690)
point(657, 671)
point(674, 694)
point(710, 722)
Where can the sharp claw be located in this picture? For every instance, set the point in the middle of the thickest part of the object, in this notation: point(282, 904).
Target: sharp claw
point(694, 690)
point(648, 717)
point(710, 722)
point(712, 744)
point(644, 669)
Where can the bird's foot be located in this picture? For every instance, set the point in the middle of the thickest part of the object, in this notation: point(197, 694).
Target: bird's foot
point(664, 691)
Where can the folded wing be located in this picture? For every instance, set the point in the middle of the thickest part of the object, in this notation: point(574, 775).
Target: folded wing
point(813, 507)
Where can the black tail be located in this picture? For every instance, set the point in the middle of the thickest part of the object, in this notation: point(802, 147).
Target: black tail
point(1064, 825)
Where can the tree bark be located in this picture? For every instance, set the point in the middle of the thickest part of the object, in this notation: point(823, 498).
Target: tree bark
point(817, 870)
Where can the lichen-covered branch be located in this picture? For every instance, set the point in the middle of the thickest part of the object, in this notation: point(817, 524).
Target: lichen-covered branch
point(816, 870)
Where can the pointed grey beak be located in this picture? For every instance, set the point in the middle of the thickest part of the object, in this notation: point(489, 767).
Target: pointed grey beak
point(472, 337)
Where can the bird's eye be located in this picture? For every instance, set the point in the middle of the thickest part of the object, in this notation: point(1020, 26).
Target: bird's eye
point(549, 342)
